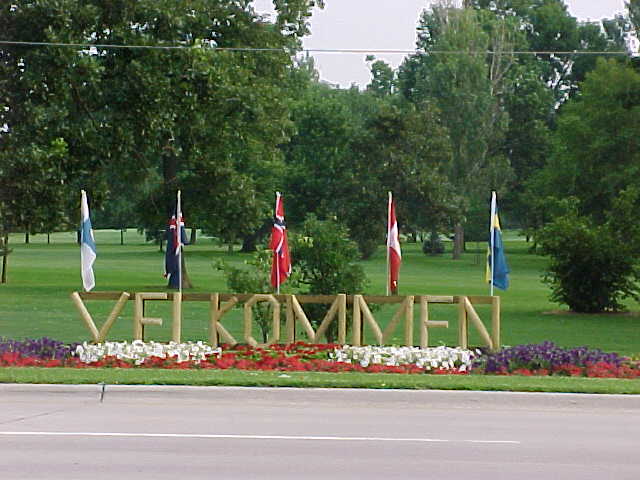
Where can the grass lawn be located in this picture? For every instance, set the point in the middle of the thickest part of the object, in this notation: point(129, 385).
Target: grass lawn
point(117, 376)
point(36, 303)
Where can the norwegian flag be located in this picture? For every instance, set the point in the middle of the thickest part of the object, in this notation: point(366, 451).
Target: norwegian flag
point(394, 256)
point(281, 265)
point(176, 238)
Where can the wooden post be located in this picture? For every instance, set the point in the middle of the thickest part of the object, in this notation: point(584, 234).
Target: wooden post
point(248, 318)
point(275, 324)
point(124, 297)
point(291, 321)
point(424, 318)
point(86, 316)
point(342, 319)
point(368, 317)
point(176, 323)
point(218, 313)
point(248, 322)
point(214, 307)
point(408, 321)
point(463, 334)
point(495, 322)
point(138, 313)
point(302, 318)
point(475, 319)
point(326, 321)
point(356, 329)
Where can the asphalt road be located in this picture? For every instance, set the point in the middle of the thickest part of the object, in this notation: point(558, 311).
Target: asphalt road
point(66, 432)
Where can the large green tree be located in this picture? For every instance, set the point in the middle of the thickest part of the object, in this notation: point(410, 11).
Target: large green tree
point(169, 107)
point(596, 151)
point(468, 87)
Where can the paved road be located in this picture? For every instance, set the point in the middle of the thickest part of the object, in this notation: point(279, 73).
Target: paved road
point(65, 432)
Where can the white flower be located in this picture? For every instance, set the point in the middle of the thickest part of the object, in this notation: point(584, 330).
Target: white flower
point(428, 358)
point(138, 351)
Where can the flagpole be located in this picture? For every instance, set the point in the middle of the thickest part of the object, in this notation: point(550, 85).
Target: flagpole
point(277, 259)
point(388, 243)
point(82, 193)
point(492, 237)
point(179, 237)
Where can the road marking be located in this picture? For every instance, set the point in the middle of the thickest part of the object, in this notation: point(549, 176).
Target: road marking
point(252, 437)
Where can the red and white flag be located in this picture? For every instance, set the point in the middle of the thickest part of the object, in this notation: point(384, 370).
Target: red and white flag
point(394, 256)
point(281, 265)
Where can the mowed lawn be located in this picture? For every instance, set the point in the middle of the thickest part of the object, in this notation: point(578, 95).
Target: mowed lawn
point(36, 303)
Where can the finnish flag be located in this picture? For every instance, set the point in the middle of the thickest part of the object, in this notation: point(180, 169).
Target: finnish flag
point(87, 245)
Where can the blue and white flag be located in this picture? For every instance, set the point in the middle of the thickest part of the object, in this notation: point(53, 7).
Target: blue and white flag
point(87, 245)
point(497, 270)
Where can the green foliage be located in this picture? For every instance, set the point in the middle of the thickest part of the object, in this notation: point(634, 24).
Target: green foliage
point(382, 78)
point(157, 119)
point(592, 267)
point(433, 244)
point(326, 258)
point(255, 278)
point(596, 150)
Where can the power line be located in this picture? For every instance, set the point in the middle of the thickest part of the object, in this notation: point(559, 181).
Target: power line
point(308, 50)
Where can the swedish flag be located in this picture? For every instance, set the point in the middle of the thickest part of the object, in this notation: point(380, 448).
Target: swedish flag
point(497, 270)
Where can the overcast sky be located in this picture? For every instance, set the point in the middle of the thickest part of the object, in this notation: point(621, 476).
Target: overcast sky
point(386, 25)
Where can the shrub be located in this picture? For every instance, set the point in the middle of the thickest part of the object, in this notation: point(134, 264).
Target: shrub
point(326, 261)
point(433, 245)
point(592, 267)
point(255, 279)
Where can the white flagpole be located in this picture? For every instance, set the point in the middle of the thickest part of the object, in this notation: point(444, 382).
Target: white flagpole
point(492, 237)
point(389, 243)
point(179, 237)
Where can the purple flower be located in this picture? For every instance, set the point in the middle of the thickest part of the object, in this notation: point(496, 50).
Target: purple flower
point(42, 348)
point(543, 355)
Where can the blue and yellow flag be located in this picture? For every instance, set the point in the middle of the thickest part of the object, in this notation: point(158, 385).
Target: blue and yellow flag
point(497, 270)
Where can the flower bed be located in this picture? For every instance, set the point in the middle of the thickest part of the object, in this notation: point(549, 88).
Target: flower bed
point(546, 358)
point(541, 359)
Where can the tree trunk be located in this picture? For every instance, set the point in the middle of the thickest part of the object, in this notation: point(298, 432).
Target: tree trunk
point(5, 254)
point(193, 238)
point(48, 238)
point(26, 236)
point(458, 241)
point(121, 236)
point(249, 243)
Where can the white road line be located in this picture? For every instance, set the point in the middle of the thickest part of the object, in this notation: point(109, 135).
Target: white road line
point(251, 437)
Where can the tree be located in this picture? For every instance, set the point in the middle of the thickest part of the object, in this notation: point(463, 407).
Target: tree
point(468, 89)
point(596, 150)
point(593, 266)
point(382, 78)
point(403, 149)
point(326, 258)
point(634, 12)
point(163, 115)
